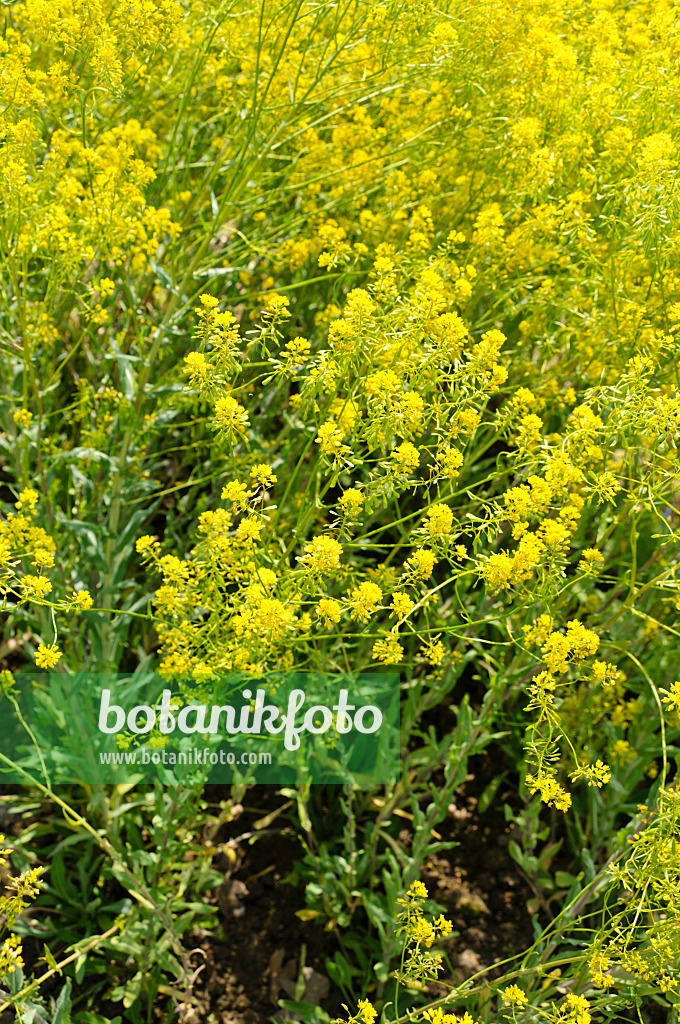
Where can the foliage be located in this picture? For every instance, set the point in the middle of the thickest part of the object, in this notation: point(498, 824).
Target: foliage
point(336, 336)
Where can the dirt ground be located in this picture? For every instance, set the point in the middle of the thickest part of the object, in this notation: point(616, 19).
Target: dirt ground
point(477, 883)
point(262, 948)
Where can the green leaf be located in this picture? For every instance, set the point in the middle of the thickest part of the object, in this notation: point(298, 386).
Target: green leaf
point(489, 793)
point(308, 915)
point(51, 961)
point(133, 990)
point(62, 1007)
point(565, 880)
point(308, 1013)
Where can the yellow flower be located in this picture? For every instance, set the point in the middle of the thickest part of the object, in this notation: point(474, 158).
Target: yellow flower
point(38, 585)
point(422, 931)
point(263, 476)
point(401, 604)
point(329, 610)
point(198, 369)
point(82, 600)
point(367, 1011)
point(583, 642)
point(551, 792)
point(146, 546)
point(388, 650)
point(556, 651)
point(622, 752)
point(275, 307)
point(673, 697)
point(437, 1016)
point(439, 520)
point(450, 460)
point(236, 493)
point(364, 600)
point(28, 499)
point(418, 889)
point(346, 413)
point(351, 501)
point(433, 652)
point(421, 564)
point(538, 632)
point(597, 774)
point(406, 456)
point(514, 995)
point(249, 530)
point(498, 571)
point(330, 439)
point(47, 657)
point(578, 1009)
point(43, 559)
point(267, 577)
point(322, 555)
point(22, 417)
point(230, 415)
point(591, 562)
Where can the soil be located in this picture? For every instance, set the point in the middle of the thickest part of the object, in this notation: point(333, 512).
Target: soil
point(266, 947)
point(263, 952)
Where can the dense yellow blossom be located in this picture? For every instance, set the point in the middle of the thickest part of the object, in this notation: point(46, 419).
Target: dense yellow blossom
point(348, 337)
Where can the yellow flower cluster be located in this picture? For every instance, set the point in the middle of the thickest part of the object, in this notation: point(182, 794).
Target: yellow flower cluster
point(19, 890)
point(449, 358)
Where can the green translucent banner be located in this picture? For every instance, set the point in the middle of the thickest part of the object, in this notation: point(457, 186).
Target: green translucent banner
point(282, 728)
